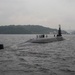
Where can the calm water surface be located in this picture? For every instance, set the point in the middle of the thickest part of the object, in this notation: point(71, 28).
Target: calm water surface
point(21, 58)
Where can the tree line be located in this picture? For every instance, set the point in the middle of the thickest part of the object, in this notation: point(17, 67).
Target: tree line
point(26, 29)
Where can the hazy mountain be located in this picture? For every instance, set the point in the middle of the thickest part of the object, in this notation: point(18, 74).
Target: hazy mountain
point(72, 32)
point(27, 29)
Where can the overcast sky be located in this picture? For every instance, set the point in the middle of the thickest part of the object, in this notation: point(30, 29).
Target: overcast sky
point(49, 13)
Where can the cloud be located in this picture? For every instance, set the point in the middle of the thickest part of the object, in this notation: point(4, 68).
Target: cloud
point(45, 12)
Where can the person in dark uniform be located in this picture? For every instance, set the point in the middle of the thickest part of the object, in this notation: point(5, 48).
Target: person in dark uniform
point(43, 35)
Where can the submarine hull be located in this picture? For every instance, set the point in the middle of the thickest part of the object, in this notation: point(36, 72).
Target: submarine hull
point(46, 40)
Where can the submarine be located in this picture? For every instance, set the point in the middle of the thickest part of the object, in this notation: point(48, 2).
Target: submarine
point(45, 39)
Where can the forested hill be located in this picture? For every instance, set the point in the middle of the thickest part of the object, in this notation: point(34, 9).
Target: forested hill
point(27, 29)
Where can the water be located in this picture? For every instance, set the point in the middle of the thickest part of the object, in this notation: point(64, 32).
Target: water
point(21, 58)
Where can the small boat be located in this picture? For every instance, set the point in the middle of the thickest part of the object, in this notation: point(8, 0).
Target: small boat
point(1, 46)
point(45, 39)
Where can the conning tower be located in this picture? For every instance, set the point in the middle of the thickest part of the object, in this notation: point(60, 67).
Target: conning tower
point(59, 31)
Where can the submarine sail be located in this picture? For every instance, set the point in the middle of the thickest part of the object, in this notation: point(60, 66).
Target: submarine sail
point(59, 31)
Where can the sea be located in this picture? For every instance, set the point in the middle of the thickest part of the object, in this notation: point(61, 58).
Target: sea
point(23, 58)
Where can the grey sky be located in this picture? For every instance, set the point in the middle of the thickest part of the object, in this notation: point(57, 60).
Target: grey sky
point(48, 13)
